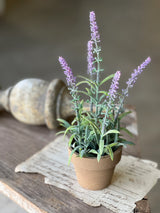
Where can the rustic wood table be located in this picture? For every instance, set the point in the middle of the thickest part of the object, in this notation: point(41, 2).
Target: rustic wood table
point(17, 143)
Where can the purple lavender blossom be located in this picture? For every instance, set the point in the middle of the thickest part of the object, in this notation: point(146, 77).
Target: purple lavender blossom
point(114, 86)
point(94, 28)
point(132, 80)
point(90, 57)
point(71, 80)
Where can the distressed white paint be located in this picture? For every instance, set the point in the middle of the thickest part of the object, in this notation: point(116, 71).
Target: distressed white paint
point(8, 206)
point(19, 199)
point(133, 177)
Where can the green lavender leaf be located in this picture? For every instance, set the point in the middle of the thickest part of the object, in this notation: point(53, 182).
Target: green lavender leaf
point(63, 123)
point(127, 131)
point(73, 151)
point(101, 97)
point(71, 139)
point(124, 114)
point(104, 92)
point(92, 124)
point(85, 93)
point(85, 82)
point(69, 129)
point(101, 146)
point(106, 79)
point(116, 138)
point(98, 157)
point(113, 144)
point(93, 151)
point(111, 131)
point(110, 152)
point(81, 154)
point(127, 142)
point(60, 132)
point(88, 80)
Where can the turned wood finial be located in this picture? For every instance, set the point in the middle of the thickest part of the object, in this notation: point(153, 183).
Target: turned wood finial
point(37, 102)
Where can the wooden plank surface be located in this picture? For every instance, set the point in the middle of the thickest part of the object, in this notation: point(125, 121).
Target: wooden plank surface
point(18, 142)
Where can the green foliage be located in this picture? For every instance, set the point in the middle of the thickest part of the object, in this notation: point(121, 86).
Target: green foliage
point(127, 131)
point(96, 132)
point(63, 123)
point(123, 114)
point(111, 131)
point(106, 79)
point(87, 141)
point(73, 151)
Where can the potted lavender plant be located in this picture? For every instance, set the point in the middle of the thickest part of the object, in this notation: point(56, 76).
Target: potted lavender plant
point(95, 144)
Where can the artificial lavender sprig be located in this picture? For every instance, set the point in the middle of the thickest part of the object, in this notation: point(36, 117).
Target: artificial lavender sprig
point(94, 28)
point(95, 37)
point(131, 81)
point(112, 96)
point(91, 66)
point(71, 80)
point(90, 58)
point(114, 86)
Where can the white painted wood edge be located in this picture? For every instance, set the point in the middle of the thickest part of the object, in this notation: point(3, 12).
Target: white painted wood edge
point(19, 199)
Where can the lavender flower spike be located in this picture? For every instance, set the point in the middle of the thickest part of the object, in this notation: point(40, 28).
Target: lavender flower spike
point(71, 80)
point(114, 86)
point(132, 80)
point(90, 57)
point(94, 28)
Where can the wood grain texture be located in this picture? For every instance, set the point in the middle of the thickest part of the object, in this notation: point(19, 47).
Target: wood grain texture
point(17, 143)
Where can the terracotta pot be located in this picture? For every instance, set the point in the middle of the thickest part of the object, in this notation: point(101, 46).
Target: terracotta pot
point(93, 175)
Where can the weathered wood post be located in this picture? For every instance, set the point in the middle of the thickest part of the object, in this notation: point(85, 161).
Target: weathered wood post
point(37, 102)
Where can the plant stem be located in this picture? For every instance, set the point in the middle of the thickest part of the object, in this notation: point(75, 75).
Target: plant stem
point(120, 106)
point(97, 80)
point(76, 108)
point(104, 119)
point(91, 102)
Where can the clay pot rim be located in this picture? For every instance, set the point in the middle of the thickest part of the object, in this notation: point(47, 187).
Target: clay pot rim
point(102, 157)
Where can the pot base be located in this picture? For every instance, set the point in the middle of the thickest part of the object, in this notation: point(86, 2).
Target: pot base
point(94, 181)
